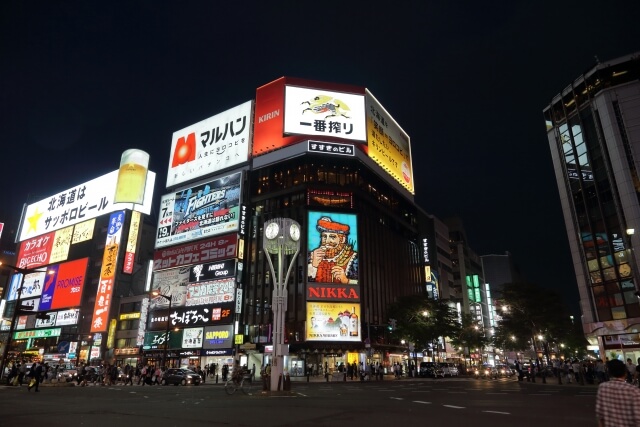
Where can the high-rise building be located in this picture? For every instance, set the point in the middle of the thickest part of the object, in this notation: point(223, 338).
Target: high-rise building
point(329, 157)
point(594, 136)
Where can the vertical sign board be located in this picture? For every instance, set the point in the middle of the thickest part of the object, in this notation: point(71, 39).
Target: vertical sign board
point(132, 241)
point(107, 273)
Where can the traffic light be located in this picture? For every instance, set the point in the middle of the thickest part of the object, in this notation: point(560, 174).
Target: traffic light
point(392, 324)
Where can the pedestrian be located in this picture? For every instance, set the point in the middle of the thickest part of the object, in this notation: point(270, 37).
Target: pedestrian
point(225, 372)
point(600, 371)
point(631, 370)
point(113, 374)
point(157, 376)
point(82, 376)
point(36, 374)
point(22, 371)
point(143, 374)
point(617, 400)
point(128, 375)
point(577, 371)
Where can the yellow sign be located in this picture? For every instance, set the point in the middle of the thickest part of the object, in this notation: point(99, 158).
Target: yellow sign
point(83, 231)
point(388, 145)
point(128, 316)
point(111, 337)
point(333, 321)
point(239, 339)
point(61, 244)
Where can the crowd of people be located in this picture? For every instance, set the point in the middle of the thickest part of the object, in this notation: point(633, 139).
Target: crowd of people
point(573, 371)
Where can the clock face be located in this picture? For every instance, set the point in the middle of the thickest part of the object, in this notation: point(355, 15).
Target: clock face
point(272, 230)
point(294, 232)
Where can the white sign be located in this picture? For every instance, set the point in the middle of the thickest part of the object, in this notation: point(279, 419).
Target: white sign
point(68, 317)
point(192, 338)
point(80, 203)
point(32, 286)
point(324, 113)
point(172, 283)
point(211, 145)
point(210, 292)
point(51, 322)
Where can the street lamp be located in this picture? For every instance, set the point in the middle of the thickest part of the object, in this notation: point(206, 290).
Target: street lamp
point(281, 237)
point(12, 328)
point(157, 293)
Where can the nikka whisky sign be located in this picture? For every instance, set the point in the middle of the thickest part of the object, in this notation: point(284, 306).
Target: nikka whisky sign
point(333, 292)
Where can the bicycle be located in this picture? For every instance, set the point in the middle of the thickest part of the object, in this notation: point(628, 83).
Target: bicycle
point(241, 381)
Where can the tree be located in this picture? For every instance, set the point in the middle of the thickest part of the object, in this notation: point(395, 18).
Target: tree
point(470, 335)
point(531, 315)
point(422, 320)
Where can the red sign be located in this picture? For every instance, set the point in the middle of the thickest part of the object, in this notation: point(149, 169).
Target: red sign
point(36, 251)
point(217, 248)
point(333, 293)
point(268, 126)
point(69, 283)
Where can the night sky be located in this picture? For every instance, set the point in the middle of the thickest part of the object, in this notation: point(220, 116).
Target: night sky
point(80, 82)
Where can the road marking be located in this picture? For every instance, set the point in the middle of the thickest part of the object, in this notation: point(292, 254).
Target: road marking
point(453, 407)
point(497, 412)
point(420, 401)
point(303, 395)
point(396, 398)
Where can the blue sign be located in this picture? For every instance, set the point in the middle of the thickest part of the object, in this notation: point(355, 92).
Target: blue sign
point(63, 347)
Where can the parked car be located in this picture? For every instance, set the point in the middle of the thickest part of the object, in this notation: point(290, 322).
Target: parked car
point(181, 376)
point(431, 369)
point(449, 369)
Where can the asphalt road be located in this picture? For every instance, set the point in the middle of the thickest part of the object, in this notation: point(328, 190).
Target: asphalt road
point(453, 402)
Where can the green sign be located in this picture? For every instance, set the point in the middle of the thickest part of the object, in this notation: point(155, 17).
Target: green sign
point(156, 340)
point(40, 333)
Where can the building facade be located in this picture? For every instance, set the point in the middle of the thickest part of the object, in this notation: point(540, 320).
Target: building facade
point(329, 157)
point(594, 138)
point(78, 253)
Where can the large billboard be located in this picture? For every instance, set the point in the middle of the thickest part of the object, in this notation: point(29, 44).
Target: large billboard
point(304, 114)
point(332, 251)
point(63, 286)
point(211, 145)
point(213, 249)
point(80, 203)
point(204, 315)
point(322, 112)
point(199, 284)
point(333, 321)
point(388, 145)
point(201, 211)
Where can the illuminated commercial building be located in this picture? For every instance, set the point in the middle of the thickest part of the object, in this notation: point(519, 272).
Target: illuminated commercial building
point(80, 252)
point(592, 128)
point(329, 157)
